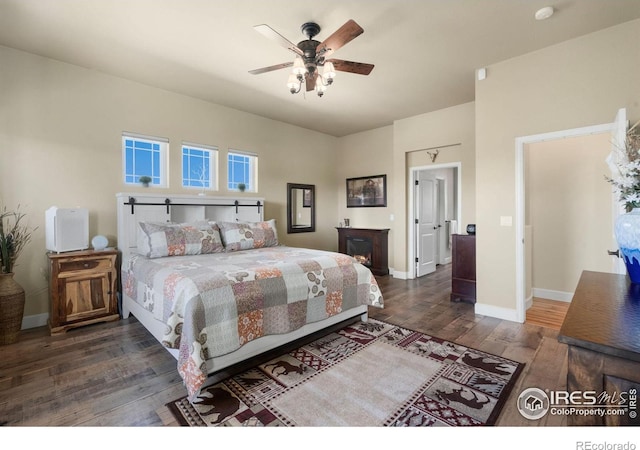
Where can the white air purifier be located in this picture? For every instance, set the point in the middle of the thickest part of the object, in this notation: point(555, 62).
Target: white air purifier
point(67, 229)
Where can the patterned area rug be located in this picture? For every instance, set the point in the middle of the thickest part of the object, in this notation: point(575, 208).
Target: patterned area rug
point(366, 374)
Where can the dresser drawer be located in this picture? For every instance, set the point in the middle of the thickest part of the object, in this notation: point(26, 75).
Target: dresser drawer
point(93, 264)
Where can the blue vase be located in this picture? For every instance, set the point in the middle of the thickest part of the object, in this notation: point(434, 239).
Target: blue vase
point(627, 231)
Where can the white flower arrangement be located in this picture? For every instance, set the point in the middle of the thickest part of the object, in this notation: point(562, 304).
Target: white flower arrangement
point(626, 181)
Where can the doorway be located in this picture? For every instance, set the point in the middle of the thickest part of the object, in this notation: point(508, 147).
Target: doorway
point(435, 199)
point(523, 238)
point(565, 196)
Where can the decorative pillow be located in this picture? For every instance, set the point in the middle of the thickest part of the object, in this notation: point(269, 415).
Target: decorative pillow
point(159, 239)
point(247, 235)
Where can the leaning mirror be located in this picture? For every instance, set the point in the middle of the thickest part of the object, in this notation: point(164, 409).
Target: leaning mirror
point(301, 208)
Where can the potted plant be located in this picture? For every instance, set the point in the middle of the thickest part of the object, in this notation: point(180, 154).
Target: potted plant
point(145, 180)
point(14, 236)
point(242, 187)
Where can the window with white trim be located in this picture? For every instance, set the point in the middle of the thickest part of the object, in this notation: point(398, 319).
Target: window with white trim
point(242, 168)
point(145, 156)
point(199, 166)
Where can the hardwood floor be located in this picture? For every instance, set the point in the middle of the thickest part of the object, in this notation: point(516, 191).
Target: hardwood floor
point(547, 313)
point(117, 374)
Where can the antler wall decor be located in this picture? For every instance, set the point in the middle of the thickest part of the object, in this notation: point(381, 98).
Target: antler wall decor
point(433, 155)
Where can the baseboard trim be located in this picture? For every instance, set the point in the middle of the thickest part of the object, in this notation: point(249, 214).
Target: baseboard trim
point(497, 312)
point(399, 275)
point(35, 321)
point(553, 295)
point(528, 303)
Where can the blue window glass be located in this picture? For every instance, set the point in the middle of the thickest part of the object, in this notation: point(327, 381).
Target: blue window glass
point(185, 166)
point(198, 166)
point(240, 170)
point(143, 157)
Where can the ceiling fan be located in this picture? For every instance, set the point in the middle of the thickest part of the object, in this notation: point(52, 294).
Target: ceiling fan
point(311, 64)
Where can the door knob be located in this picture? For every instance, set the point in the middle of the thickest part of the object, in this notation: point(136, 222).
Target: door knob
point(616, 253)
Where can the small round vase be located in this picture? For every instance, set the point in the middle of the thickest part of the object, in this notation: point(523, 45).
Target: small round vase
point(11, 308)
point(627, 231)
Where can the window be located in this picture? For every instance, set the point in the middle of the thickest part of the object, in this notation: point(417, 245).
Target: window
point(145, 156)
point(199, 163)
point(242, 168)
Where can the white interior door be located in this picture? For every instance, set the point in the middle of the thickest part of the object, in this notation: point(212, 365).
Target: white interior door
point(618, 138)
point(426, 223)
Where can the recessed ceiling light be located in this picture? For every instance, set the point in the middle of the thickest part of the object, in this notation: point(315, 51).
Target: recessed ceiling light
point(544, 13)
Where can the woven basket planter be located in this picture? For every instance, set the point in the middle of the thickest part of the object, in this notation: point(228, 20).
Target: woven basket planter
point(11, 308)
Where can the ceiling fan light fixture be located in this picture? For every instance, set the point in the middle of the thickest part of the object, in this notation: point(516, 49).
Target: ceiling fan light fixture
point(298, 66)
point(329, 72)
point(310, 66)
point(320, 89)
point(294, 84)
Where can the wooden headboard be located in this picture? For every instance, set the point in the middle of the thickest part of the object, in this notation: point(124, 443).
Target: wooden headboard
point(135, 207)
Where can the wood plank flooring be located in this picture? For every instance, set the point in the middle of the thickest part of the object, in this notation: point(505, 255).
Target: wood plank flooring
point(117, 374)
point(547, 313)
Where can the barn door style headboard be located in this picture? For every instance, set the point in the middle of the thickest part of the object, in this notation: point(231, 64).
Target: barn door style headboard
point(133, 208)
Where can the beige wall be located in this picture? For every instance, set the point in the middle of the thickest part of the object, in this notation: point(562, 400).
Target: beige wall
point(60, 144)
point(452, 131)
point(575, 84)
point(361, 155)
point(393, 151)
point(569, 208)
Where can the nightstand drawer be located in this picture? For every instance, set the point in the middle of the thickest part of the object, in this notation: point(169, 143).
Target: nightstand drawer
point(94, 264)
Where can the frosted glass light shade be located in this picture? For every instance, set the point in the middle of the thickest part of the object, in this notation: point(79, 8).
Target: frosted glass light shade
point(329, 71)
point(293, 82)
point(298, 66)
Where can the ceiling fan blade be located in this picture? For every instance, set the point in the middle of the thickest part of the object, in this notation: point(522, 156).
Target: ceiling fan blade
point(272, 34)
point(346, 33)
point(311, 81)
point(353, 67)
point(271, 68)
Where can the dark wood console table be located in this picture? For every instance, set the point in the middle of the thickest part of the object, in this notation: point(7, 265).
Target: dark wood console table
point(602, 330)
point(373, 243)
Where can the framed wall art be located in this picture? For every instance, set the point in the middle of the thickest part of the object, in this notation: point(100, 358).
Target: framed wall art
point(367, 191)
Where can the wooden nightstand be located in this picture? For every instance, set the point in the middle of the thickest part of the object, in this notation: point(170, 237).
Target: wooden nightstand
point(82, 288)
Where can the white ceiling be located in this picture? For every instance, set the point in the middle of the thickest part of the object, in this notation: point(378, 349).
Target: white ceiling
point(425, 52)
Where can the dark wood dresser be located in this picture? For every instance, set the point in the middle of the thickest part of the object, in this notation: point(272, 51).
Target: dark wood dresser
point(602, 331)
point(463, 268)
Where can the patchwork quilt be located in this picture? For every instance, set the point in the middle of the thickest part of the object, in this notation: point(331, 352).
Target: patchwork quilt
point(213, 304)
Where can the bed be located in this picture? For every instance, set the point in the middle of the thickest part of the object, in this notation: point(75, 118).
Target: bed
point(209, 279)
